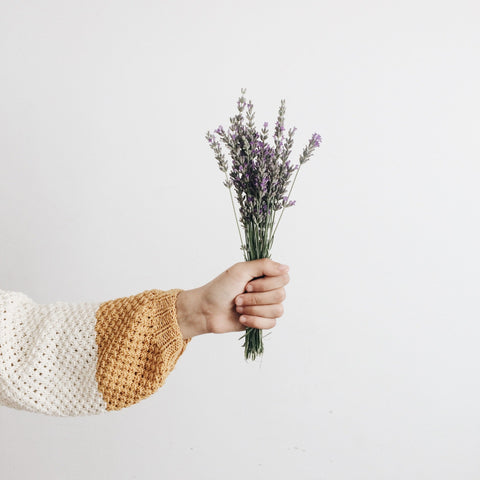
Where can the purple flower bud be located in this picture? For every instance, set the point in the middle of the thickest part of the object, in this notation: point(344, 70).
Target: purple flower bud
point(316, 139)
point(265, 125)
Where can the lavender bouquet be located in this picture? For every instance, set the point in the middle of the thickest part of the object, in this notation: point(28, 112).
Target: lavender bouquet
point(260, 175)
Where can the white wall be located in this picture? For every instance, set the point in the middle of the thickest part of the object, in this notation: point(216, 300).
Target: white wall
point(109, 188)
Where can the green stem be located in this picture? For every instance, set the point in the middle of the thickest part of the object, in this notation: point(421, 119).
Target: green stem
point(235, 213)
point(257, 246)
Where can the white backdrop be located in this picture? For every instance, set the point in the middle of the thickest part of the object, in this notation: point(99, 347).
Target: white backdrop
point(109, 188)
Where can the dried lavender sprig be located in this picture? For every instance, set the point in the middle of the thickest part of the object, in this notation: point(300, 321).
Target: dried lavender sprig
point(304, 157)
point(251, 118)
point(289, 144)
point(308, 150)
point(224, 168)
point(264, 135)
point(279, 129)
point(219, 156)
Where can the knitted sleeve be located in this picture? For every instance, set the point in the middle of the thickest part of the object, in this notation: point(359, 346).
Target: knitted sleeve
point(70, 359)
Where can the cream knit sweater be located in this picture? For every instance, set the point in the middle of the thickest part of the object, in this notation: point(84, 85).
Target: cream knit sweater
point(71, 359)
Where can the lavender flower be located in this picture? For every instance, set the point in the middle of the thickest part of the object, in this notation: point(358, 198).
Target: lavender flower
point(308, 150)
point(261, 178)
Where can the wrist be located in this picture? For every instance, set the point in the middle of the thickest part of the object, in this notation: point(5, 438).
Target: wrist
point(190, 316)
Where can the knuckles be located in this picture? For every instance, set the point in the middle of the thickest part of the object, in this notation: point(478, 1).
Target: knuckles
point(264, 261)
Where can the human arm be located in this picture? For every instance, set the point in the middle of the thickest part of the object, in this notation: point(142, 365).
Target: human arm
point(71, 359)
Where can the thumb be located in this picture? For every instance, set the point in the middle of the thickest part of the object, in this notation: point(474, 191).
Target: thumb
point(260, 268)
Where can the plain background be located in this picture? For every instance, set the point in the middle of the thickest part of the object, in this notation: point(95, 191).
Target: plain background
point(109, 188)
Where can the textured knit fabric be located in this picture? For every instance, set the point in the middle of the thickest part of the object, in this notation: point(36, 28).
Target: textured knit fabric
point(71, 359)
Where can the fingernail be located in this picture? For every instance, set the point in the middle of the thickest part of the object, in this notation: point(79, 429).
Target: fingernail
point(243, 319)
point(249, 288)
point(239, 309)
point(239, 301)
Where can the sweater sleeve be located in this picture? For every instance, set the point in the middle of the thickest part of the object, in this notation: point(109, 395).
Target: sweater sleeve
point(70, 359)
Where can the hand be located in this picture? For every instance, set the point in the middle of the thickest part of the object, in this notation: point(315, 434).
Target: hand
point(235, 300)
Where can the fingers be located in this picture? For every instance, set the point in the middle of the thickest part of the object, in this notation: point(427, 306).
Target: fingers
point(258, 322)
point(259, 268)
point(261, 305)
point(268, 283)
point(260, 309)
point(261, 298)
point(266, 311)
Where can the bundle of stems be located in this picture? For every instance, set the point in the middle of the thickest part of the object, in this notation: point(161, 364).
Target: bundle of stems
point(260, 175)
